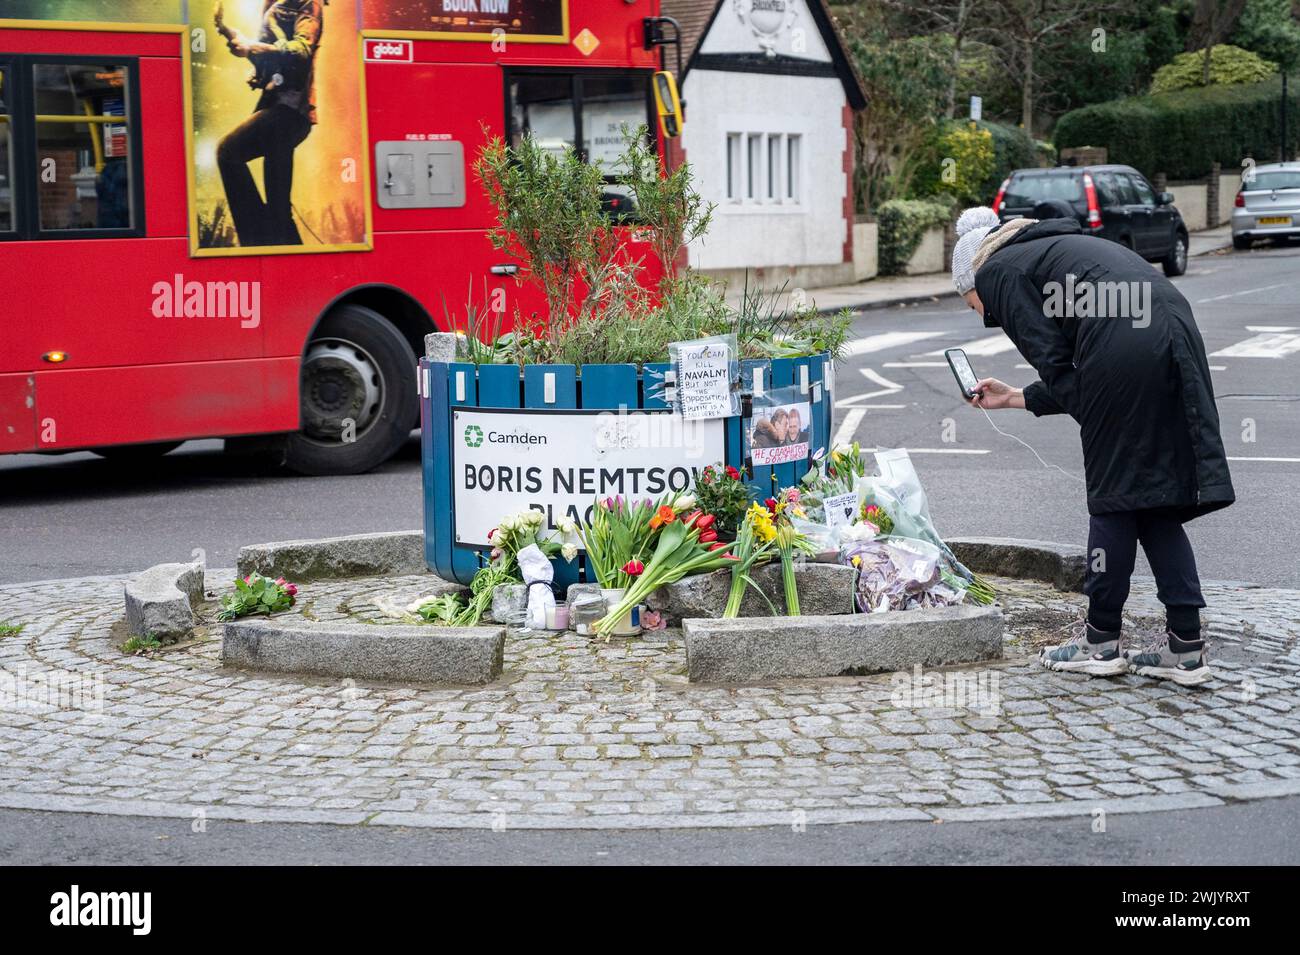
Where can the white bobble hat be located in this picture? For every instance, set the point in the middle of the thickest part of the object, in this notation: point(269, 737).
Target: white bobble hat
point(972, 226)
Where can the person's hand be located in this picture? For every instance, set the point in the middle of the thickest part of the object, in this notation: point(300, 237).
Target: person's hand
point(239, 45)
point(991, 393)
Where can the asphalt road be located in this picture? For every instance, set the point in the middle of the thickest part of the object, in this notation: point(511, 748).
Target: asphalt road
point(1262, 832)
point(78, 514)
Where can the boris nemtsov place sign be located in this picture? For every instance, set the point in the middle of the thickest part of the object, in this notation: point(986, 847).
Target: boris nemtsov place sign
point(504, 461)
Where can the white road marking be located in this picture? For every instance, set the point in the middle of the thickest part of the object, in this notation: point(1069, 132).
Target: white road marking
point(1245, 291)
point(993, 345)
point(1270, 328)
point(848, 427)
point(884, 340)
point(1280, 460)
point(887, 388)
point(915, 364)
point(1218, 367)
point(1264, 345)
point(934, 450)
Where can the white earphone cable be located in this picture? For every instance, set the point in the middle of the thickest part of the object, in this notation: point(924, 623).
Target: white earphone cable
point(1073, 477)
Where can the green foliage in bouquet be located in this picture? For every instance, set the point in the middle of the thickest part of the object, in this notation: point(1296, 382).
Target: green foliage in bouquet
point(721, 490)
point(256, 594)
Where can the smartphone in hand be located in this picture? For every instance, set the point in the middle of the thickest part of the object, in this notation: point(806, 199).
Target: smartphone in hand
point(967, 380)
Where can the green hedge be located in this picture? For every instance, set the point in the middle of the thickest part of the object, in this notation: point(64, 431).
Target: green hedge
point(1013, 148)
point(1183, 134)
point(902, 222)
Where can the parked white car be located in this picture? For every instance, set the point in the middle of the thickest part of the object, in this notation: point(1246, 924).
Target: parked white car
point(1268, 204)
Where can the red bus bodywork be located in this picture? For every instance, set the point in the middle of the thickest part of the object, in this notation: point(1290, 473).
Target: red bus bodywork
point(130, 377)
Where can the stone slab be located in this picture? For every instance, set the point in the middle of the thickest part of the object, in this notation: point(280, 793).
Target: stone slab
point(160, 601)
point(745, 651)
point(356, 555)
point(824, 589)
point(1061, 565)
point(407, 654)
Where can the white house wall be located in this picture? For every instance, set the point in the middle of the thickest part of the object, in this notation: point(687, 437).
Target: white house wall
point(746, 234)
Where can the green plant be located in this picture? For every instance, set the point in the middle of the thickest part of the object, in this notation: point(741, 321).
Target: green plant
point(141, 644)
point(11, 629)
point(482, 341)
point(1183, 134)
point(667, 204)
point(548, 216)
point(721, 490)
point(902, 222)
point(1013, 148)
point(1229, 66)
point(256, 594)
point(958, 161)
point(443, 609)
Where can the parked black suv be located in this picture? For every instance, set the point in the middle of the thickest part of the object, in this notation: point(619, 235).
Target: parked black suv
point(1114, 202)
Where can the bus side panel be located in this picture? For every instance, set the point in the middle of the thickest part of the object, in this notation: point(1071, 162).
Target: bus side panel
point(418, 102)
point(166, 196)
point(17, 413)
point(99, 406)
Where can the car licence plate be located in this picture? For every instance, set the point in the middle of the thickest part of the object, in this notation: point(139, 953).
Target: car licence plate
point(1274, 220)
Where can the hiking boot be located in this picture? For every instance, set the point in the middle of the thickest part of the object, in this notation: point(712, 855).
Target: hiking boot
point(1098, 656)
point(1168, 658)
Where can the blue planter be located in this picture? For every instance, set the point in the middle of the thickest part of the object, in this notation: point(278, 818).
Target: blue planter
point(446, 387)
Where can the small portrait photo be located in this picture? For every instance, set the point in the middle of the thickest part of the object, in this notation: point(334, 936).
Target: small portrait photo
point(779, 434)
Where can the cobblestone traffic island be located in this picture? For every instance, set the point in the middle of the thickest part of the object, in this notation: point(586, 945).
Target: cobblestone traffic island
point(580, 733)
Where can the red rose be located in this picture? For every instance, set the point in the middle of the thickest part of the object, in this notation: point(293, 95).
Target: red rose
point(733, 473)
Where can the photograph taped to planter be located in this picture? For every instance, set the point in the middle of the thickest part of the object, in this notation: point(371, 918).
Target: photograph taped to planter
point(780, 429)
point(561, 462)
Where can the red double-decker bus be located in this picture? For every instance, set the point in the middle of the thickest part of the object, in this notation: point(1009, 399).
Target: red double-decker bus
point(241, 218)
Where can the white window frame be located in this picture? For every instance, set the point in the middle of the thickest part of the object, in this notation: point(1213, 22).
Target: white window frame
point(762, 170)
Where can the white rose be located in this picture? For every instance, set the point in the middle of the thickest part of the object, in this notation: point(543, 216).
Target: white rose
point(569, 551)
point(534, 516)
point(566, 525)
point(686, 502)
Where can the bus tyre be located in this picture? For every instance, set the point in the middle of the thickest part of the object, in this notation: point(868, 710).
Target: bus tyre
point(358, 389)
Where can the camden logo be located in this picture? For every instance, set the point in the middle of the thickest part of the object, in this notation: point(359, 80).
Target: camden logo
point(133, 909)
point(473, 436)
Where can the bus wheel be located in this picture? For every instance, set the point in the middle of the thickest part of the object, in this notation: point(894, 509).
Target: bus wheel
point(128, 453)
point(358, 388)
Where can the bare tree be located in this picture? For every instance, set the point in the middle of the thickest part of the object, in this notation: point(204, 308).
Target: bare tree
point(1027, 27)
point(1212, 21)
point(955, 18)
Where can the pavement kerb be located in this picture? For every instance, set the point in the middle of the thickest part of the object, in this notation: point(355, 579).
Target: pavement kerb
point(931, 296)
point(1064, 809)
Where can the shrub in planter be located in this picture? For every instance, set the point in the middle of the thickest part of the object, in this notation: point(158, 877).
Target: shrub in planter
point(901, 224)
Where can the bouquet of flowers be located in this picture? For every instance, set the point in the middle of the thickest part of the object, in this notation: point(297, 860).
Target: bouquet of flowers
point(513, 534)
point(684, 543)
point(783, 509)
point(836, 476)
point(257, 594)
point(753, 543)
point(721, 491)
point(616, 538)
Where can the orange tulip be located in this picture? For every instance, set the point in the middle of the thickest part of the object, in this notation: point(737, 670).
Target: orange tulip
point(665, 515)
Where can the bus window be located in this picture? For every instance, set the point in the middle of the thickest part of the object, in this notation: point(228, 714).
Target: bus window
point(83, 146)
point(542, 106)
point(6, 156)
point(608, 104)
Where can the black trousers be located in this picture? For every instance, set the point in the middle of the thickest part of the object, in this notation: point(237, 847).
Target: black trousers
point(1112, 551)
point(271, 135)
